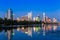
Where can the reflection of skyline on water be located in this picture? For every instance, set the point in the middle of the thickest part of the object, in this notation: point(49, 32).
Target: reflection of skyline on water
point(31, 32)
point(37, 29)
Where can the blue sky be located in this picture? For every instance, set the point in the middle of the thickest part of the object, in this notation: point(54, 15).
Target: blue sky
point(22, 7)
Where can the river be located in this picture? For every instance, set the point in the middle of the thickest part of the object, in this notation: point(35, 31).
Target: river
point(45, 32)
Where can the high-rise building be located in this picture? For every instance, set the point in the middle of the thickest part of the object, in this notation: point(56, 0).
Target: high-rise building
point(10, 14)
point(30, 16)
point(44, 16)
point(34, 19)
point(13, 16)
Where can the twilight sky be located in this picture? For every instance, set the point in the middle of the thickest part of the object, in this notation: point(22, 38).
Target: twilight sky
point(22, 7)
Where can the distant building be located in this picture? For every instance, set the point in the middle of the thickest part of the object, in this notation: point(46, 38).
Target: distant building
point(29, 16)
point(5, 16)
point(48, 19)
point(9, 14)
point(44, 16)
point(24, 18)
point(18, 19)
point(34, 19)
point(38, 18)
point(54, 20)
point(13, 16)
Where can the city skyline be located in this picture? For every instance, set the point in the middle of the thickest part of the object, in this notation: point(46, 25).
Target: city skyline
point(29, 19)
point(22, 7)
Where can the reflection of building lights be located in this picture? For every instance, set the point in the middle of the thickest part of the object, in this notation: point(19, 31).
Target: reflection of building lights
point(29, 31)
point(48, 27)
point(44, 30)
point(22, 28)
point(9, 34)
point(36, 29)
point(54, 27)
point(43, 33)
point(18, 29)
point(26, 32)
point(12, 33)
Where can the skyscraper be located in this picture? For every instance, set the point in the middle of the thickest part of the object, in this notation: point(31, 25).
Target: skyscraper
point(30, 16)
point(44, 16)
point(10, 14)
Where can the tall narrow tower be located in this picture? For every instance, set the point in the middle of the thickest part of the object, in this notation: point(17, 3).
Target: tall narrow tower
point(44, 16)
point(10, 14)
point(30, 16)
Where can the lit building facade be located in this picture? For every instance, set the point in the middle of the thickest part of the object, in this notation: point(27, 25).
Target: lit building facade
point(18, 19)
point(29, 16)
point(24, 18)
point(44, 16)
point(48, 19)
point(9, 14)
point(54, 20)
point(38, 18)
point(34, 19)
